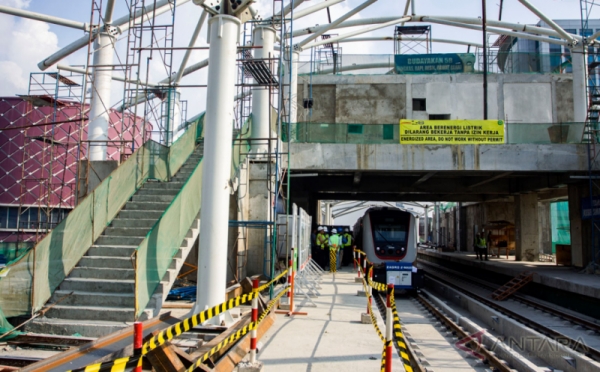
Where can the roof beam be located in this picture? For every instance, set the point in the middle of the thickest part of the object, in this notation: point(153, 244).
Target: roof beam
point(44, 18)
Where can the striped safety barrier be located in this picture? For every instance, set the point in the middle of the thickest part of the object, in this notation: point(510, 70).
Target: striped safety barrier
point(117, 365)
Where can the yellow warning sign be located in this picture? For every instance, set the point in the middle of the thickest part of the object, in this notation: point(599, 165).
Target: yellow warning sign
point(451, 132)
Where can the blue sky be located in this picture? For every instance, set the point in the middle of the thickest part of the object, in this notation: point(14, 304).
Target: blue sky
point(26, 42)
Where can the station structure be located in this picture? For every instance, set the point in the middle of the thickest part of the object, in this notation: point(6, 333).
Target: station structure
point(111, 193)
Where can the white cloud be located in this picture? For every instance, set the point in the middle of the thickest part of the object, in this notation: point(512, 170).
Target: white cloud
point(24, 43)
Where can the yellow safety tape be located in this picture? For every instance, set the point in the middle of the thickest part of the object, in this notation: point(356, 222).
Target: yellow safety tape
point(375, 285)
point(117, 365)
point(189, 323)
point(262, 288)
point(360, 252)
point(371, 314)
point(399, 338)
point(383, 358)
point(236, 335)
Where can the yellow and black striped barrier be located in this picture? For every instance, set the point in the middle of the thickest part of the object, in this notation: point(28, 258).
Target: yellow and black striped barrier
point(399, 338)
point(187, 324)
point(117, 365)
point(238, 334)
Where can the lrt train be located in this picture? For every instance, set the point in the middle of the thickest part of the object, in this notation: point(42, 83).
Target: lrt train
point(389, 237)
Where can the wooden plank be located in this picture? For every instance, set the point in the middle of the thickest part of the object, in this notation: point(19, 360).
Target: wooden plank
point(233, 292)
point(217, 340)
point(234, 356)
point(165, 358)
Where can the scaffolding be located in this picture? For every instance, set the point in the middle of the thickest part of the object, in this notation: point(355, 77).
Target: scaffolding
point(592, 129)
point(412, 39)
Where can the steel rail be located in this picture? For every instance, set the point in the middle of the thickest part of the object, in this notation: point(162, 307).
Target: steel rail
point(522, 299)
point(414, 359)
point(456, 329)
point(551, 333)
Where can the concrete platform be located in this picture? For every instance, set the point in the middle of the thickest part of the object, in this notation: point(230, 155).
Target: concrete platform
point(330, 337)
point(546, 273)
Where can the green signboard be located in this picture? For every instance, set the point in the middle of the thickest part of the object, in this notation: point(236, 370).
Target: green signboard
point(451, 63)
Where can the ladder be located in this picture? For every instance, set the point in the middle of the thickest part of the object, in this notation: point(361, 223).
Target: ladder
point(512, 286)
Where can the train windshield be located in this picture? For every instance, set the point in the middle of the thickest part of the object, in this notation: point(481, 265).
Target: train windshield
point(390, 233)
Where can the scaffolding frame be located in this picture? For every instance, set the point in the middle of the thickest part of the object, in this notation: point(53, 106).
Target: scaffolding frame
point(404, 45)
point(592, 128)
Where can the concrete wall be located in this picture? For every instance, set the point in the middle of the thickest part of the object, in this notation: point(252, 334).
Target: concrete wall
point(384, 99)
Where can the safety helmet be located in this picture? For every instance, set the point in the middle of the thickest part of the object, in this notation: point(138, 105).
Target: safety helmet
point(320, 228)
point(346, 230)
point(324, 228)
point(333, 231)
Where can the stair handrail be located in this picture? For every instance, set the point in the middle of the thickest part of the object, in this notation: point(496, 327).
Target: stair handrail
point(27, 283)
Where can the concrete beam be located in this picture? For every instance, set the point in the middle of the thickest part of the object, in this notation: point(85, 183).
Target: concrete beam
point(392, 157)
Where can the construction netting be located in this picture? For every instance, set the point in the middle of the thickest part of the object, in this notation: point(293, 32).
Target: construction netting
point(27, 283)
point(6, 327)
point(155, 253)
point(543, 133)
point(560, 223)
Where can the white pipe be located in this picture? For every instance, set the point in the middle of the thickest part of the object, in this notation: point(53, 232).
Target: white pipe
point(412, 7)
point(44, 18)
point(390, 38)
point(334, 24)
point(406, 10)
point(263, 37)
point(363, 66)
point(188, 52)
point(290, 90)
point(224, 31)
point(109, 11)
point(288, 8)
point(122, 24)
point(548, 21)
point(421, 18)
point(358, 32)
point(500, 31)
point(580, 93)
point(315, 8)
point(80, 70)
point(100, 102)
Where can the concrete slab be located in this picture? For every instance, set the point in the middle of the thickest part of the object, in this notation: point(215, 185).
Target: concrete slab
point(547, 273)
point(329, 338)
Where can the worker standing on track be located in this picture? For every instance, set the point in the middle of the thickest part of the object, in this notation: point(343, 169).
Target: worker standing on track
point(334, 246)
point(322, 243)
point(346, 256)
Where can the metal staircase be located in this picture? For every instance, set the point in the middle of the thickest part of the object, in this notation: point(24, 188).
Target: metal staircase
point(512, 286)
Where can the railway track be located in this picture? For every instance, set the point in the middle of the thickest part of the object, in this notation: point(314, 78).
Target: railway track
point(450, 279)
point(419, 363)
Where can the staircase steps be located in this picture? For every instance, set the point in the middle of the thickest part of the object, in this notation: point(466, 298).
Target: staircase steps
point(512, 286)
point(97, 297)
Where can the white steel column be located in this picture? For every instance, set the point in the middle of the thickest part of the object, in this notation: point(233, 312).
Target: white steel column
point(100, 102)
point(263, 37)
point(436, 234)
point(224, 31)
point(290, 90)
point(580, 94)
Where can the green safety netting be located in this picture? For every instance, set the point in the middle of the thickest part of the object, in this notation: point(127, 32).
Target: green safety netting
point(155, 253)
point(27, 283)
point(561, 225)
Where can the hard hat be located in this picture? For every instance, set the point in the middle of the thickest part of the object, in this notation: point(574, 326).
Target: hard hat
point(325, 228)
point(346, 229)
point(334, 231)
point(320, 228)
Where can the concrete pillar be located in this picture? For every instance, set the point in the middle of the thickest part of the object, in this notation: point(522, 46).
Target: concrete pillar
point(526, 227)
point(100, 102)
point(580, 94)
point(259, 209)
point(580, 229)
point(544, 228)
point(224, 33)
point(263, 37)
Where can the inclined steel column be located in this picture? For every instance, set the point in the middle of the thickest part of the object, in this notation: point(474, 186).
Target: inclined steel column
point(224, 31)
point(264, 38)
